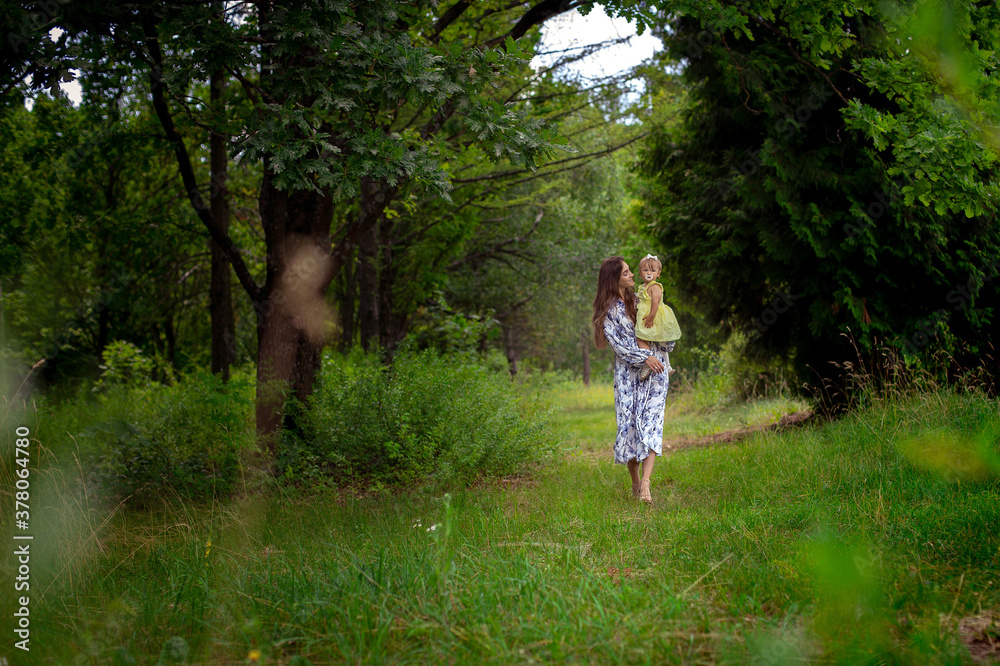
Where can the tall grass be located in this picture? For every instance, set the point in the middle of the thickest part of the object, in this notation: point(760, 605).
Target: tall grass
point(146, 441)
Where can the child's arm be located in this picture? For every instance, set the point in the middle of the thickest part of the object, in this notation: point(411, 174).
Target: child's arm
point(655, 291)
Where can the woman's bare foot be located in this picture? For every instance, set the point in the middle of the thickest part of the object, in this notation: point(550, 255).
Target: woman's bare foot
point(633, 471)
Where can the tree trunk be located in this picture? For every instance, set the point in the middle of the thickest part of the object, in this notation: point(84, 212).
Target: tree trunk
point(291, 309)
point(171, 335)
point(392, 324)
point(103, 324)
point(368, 288)
point(346, 293)
point(220, 292)
point(510, 344)
point(103, 269)
point(292, 314)
point(287, 364)
point(586, 357)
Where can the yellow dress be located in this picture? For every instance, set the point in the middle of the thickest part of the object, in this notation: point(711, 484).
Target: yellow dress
point(665, 327)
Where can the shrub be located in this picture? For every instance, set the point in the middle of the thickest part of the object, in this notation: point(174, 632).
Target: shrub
point(124, 364)
point(439, 327)
point(181, 439)
point(430, 416)
point(715, 379)
point(705, 377)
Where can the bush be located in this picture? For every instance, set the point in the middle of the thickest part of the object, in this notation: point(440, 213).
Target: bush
point(181, 439)
point(439, 327)
point(705, 377)
point(445, 418)
point(124, 364)
point(715, 379)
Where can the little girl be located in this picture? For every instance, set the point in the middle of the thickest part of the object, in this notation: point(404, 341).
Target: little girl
point(655, 321)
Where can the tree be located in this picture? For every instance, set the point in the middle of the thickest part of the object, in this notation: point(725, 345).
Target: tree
point(495, 215)
point(825, 183)
point(98, 252)
point(324, 84)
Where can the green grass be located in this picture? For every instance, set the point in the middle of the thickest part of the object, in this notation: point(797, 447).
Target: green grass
point(586, 416)
point(843, 542)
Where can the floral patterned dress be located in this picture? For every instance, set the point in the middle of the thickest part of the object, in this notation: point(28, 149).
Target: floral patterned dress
point(638, 403)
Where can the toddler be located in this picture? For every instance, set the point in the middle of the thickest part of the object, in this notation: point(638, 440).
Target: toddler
point(655, 321)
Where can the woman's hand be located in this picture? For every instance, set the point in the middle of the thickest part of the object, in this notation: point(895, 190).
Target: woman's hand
point(654, 364)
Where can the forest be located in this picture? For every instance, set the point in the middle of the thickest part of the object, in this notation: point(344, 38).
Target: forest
point(291, 279)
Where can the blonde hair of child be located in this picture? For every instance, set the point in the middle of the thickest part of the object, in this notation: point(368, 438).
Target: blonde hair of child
point(651, 261)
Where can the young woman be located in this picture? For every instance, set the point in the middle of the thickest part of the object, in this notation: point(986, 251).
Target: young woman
point(638, 405)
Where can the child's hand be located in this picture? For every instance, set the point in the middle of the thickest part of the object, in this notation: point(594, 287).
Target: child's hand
point(647, 321)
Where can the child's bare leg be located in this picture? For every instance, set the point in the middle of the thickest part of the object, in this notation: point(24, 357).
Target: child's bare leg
point(645, 371)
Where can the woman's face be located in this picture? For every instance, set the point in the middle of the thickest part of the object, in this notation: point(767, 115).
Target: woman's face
point(626, 280)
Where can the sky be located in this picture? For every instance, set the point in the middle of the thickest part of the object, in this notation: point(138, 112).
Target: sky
point(572, 30)
point(567, 30)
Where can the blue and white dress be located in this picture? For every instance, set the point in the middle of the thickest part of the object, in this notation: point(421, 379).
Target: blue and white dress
point(638, 403)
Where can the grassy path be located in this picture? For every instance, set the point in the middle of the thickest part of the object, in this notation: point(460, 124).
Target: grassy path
point(819, 544)
point(587, 419)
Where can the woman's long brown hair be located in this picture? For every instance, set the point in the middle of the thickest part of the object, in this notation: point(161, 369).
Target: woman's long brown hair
point(608, 281)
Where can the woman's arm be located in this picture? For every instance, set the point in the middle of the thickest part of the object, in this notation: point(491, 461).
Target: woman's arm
point(621, 338)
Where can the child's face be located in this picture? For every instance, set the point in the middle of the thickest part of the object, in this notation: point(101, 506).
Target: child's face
point(649, 273)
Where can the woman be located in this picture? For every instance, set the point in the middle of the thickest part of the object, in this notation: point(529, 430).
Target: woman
point(638, 404)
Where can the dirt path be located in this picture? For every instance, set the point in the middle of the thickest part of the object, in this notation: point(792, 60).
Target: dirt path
point(730, 436)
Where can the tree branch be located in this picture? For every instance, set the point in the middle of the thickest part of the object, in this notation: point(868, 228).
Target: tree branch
point(506, 174)
point(537, 15)
point(500, 247)
point(184, 164)
point(248, 86)
point(438, 119)
point(447, 19)
point(795, 54)
point(535, 99)
point(541, 12)
point(514, 307)
point(349, 234)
